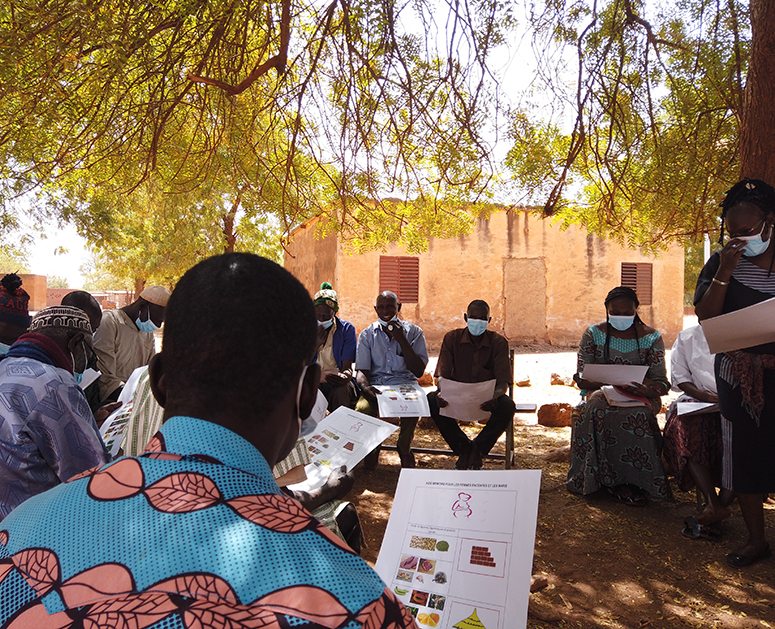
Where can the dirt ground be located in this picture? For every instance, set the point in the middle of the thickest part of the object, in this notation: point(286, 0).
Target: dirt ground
point(607, 564)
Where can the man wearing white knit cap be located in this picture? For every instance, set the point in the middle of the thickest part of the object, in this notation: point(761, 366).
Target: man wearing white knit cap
point(125, 340)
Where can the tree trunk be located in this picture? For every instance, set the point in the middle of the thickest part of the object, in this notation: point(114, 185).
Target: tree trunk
point(757, 132)
point(139, 286)
point(228, 224)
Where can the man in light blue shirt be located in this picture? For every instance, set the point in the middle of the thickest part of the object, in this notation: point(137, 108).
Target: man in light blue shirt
point(390, 351)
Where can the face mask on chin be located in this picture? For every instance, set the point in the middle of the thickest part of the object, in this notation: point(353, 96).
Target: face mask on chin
point(385, 323)
point(146, 326)
point(326, 324)
point(4, 348)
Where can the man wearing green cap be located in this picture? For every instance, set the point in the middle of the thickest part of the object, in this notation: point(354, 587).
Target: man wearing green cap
point(336, 350)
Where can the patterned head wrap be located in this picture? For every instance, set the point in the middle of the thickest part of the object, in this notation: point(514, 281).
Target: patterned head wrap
point(157, 295)
point(14, 301)
point(327, 296)
point(61, 317)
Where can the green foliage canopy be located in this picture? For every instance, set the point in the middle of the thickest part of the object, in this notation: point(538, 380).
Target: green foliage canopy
point(339, 104)
point(656, 109)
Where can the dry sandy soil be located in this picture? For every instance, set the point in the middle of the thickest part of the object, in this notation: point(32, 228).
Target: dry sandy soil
point(607, 564)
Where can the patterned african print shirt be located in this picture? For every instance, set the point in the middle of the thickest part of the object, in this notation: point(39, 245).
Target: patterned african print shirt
point(47, 430)
point(192, 533)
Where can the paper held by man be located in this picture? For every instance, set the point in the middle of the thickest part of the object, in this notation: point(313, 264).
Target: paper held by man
point(621, 375)
point(743, 328)
point(402, 400)
point(465, 398)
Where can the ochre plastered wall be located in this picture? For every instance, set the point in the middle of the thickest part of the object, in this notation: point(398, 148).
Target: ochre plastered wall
point(544, 284)
point(312, 258)
point(35, 285)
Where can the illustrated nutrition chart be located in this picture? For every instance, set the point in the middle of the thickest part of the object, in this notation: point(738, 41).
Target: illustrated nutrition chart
point(344, 437)
point(458, 549)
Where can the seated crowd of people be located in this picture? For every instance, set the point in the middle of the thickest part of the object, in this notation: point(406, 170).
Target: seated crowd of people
point(201, 497)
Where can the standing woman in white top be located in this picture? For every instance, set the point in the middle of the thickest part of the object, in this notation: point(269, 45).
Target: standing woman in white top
point(693, 443)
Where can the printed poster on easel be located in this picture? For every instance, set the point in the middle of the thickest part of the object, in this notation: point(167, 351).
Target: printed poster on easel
point(344, 437)
point(458, 549)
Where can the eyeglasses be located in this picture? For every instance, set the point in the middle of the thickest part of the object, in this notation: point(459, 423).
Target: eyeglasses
point(751, 233)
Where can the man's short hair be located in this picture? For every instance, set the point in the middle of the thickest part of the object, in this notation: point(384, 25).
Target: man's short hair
point(389, 294)
point(238, 331)
point(86, 302)
point(479, 303)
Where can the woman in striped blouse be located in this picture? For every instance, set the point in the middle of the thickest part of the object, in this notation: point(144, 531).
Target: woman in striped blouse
point(737, 276)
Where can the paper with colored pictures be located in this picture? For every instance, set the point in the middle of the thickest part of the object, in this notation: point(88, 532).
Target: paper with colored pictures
point(464, 399)
point(615, 374)
point(344, 437)
point(458, 549)
point(402, 400)
point(696, 408)
point(740, 329)
point(114, 427)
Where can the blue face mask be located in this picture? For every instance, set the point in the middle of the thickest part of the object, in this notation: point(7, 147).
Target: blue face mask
point(4, 348)
point(146, 326)
point(326, 324)
point(477, 326)
point(756, 245)
point(384, 323)
point(621, 323)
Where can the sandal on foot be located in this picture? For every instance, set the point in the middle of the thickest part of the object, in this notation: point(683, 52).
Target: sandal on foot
point(740, 561)
point(695, 530)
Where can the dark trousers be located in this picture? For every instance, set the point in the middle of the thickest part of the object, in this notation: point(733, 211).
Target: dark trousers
point(338, 395)
point(485, 440)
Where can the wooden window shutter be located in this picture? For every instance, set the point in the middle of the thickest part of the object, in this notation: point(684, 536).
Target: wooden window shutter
point(637, 276)
point(400, 274)
point(410, 280)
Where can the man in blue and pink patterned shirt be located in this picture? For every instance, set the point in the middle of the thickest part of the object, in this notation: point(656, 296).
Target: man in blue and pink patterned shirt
point(194, 532)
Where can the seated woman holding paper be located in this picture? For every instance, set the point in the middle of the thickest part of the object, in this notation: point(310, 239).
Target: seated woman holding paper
point(739, 276)
point(692, 438)
point(616, 441)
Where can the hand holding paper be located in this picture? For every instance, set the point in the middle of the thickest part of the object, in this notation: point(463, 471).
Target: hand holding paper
point(465, 399)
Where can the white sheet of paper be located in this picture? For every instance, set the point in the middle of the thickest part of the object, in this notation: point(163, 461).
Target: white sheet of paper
point(459, 546)
point(614, 374)
point(89, 376)
point(696, 408)
point(465, 398)
point(114, 427)
point(402, 400)
point(344, 437)
point(316, 416)
point(748, 327)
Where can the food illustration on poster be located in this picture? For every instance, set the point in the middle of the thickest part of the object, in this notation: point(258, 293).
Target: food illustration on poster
point(460, 554)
